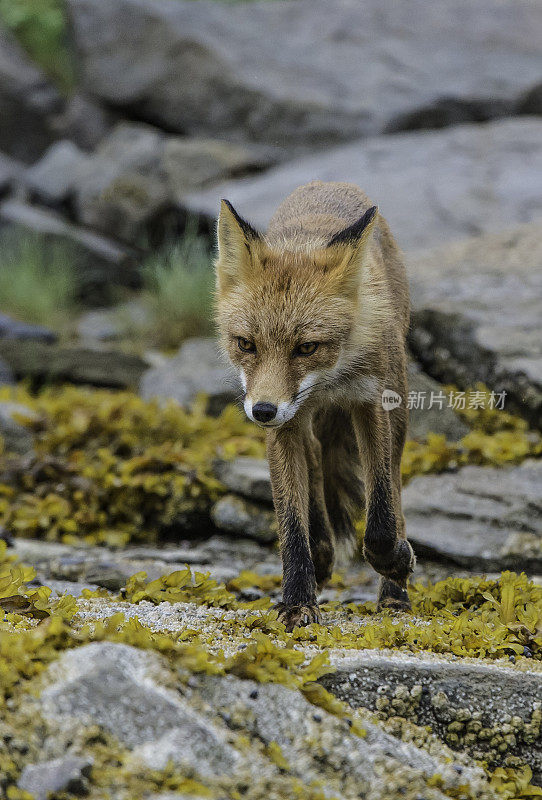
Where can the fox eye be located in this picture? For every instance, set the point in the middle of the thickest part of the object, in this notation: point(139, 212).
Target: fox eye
point(246, 345)
point(306, 349)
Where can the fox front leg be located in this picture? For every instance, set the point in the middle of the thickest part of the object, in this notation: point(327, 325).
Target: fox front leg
point(384, 545)
point(290, 483)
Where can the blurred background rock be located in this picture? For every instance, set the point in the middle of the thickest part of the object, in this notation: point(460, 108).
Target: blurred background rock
point(124, 122)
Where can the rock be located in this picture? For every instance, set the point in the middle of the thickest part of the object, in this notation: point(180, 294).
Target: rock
point(13, 329)
point(101, 263)
point(65, 774)
point(113, 685)
point(311, 741)
point(198, 368)
point(6, 375)
point(28, 103)
point(84, 121)
point(16, 438)
point(11, 172)
point(431, 418)
point(461, 181)
point(195, 745)
point(51, 180)
point(247, 476)
point(191, 163)
point(233, 514)
point(53, 363)
point(106, 324)
point(321, 74)
point(478, 517)
point(138, 175)
point(428, 689)
point(121, 193)
point(477, 315)
point(120, 688)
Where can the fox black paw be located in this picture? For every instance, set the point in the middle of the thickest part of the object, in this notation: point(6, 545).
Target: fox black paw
point(297, 616)
point(397, 564)
point(393, 596)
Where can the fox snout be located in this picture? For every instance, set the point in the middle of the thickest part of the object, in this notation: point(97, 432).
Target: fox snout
point(264, 412)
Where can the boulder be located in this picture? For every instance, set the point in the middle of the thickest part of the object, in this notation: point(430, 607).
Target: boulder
point(198, 368)
point(65, 774)
point(28, 103)
point(235, 515)
point(41, 362)
point(431, 418)
point(191, 163)
point(105, 324)
point(6, 375)
point(311, 740)
point(100, 262)
point(11, 172)
point(83, 121)
point(457, 699)
point(479, 517)
point(13, 329)
point(247, 476)
point(51, 180)
point(121, 193)
point(16, 438)
point(134, 180)
point(432, 186)
point(476, 315)
point(323, 72)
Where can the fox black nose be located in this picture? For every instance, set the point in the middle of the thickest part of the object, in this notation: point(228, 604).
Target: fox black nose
point(264, 412)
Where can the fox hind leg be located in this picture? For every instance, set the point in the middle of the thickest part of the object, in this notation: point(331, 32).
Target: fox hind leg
point(385, 546)
point(321, 539)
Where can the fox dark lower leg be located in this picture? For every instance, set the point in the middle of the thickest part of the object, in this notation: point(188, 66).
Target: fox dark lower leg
point(385, 545)
point(321, 538)
point(290, 483)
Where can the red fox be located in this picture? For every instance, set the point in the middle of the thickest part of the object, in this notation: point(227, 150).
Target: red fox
point(314, 314)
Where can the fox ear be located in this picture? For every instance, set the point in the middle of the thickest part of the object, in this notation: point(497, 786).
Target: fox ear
point(235, 239)
point(358, 232)
point(349, 247)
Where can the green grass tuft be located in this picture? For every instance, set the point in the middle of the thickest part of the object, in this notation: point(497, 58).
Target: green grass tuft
point(178, 290)
point(40, 27)
point(37, 280)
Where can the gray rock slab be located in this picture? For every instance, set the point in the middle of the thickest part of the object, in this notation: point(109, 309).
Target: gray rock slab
point(7, 377)
point(195, 745)
point(65, 774)
point(323, 72)
point(479, 517)
point(28, 103)
point(477, 314)
point(274, 713)
point(431, 690)
point(17, 438)
point(58, 363)
point(190, 163)
point(432, 186)
point(14, 329)
point(198, 368)
point(115, 686)
point(51, 179)
point(434, 417)
point(235, 515)
point(11, 172)
point(247, 476)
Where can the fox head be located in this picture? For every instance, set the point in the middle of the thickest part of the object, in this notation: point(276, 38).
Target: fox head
point(291, 320)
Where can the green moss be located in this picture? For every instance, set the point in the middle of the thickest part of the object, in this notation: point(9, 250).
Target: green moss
point(40, 26)
point(111, 468)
